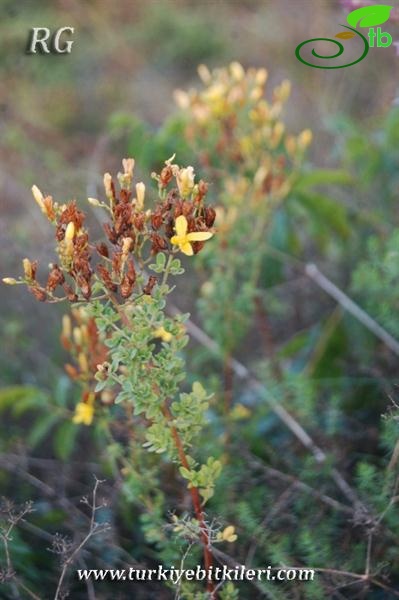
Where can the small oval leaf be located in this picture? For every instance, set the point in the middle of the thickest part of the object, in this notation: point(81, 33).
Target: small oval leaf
point(345, 35)
point(369, 16)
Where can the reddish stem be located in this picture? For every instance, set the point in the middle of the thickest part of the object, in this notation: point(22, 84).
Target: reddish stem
point(208, 558)
point(228, 377)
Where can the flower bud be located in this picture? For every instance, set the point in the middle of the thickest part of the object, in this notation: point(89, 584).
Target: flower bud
point(283, 91)
point(94, 201)
point(128, 166)
point(182, 99)
point(27, 265)
point(140, 192)
point(9, 281)
point(83, 364)
point(256, 93)
point(108, 186)
point(204, 73)
point(66, 326)
point(77, 336)
point(38, 196)
point(185, 181)
point(237, 71)
point(261, 77)
point(68, 237)
point(70, 231)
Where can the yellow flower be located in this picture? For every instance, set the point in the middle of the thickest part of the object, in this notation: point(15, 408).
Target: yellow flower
point(84, 412)
point(305, 139)
point(161, 332)
point(240, 412)
point(184, 239)
point(228, 534)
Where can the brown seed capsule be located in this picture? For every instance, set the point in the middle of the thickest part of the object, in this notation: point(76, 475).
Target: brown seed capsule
point(177, 208)
point(72, 214)
point(158, 243)
point(38, 293)
point(169, 228)
point(117, 262)
point(131, 271)
point(126, 287)
point(110, 233)
point(210, 216)
point(138, 220)
point(102, 249)
point(70, 294)
point(124, 196)
point(71, 371)
point(106, 278)
point(85, 287)
point(166, 175)
point(202, 188)
point(187, 208)
point(152, 281)
point(66, 343)
point(156, 219)
point(197, 246)
point(56, 277)
point(49, 208)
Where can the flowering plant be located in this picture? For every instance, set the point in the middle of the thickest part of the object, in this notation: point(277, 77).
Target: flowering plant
point(125, 348)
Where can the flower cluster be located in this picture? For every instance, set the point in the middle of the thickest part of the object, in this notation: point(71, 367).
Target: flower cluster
point(232, 123)
point(243, 145)
point(115, 268)
point(86, 345)
point(179, 220)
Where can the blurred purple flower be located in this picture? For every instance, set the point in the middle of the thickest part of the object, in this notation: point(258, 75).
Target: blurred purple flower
point(353, 4)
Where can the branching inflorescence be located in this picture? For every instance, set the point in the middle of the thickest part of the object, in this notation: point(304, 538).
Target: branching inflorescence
point(126, 350)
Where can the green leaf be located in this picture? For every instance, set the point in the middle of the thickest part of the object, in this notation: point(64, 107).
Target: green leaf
point(369, 16)
point(199, 391)
point(324, 177)
point(64, 440)
point(297, 343)
point(101, 385)
point(161, 260)
point(186, 473)
point(19, 396)
point(41, 428)
point(326, 211)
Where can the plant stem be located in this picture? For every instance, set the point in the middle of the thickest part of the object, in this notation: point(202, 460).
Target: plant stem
point(195, 497)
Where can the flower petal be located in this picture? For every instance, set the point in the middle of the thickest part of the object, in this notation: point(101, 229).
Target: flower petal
point(199, 236)
point(181, 226)
point(175, 240)
point(187, 248)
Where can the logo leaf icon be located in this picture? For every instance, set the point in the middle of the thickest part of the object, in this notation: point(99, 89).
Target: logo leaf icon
point(369, 16)
point(345, 35)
